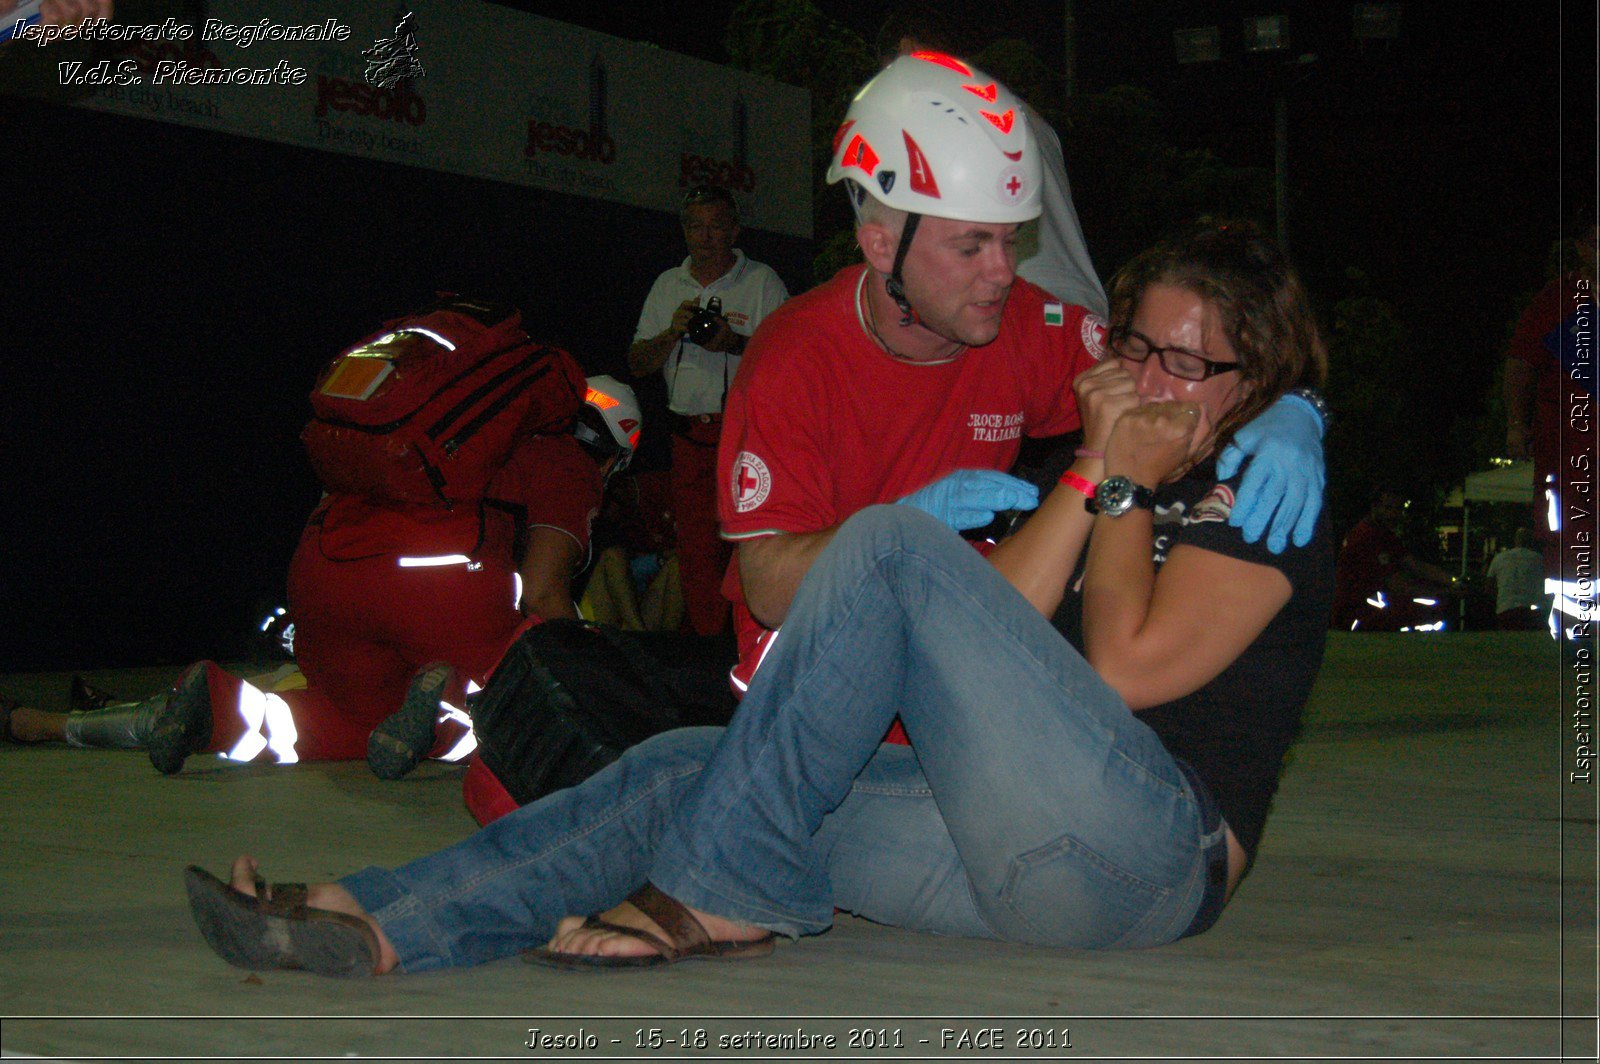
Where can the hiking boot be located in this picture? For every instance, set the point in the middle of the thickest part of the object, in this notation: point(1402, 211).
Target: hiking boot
point(183, 725)
point(399, 744)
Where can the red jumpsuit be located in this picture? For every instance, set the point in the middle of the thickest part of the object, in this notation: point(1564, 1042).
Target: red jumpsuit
point(378, 591)
point(1555, 337)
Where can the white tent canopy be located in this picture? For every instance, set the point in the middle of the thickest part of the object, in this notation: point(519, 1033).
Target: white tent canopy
point(1512, 483)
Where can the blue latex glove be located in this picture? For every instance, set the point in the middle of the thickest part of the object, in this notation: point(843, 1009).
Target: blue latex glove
point(969, 498)
point(1283, 483)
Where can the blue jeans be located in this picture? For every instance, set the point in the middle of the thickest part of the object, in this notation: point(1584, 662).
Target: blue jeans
point(1035, 808)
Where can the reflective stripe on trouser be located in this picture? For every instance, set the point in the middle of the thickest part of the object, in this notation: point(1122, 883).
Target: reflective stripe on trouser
point(126, 726)
point(450, 719)
point(269, 728)
point(1574, 599)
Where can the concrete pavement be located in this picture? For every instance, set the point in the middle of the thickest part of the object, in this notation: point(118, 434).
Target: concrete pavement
point(1426, 889)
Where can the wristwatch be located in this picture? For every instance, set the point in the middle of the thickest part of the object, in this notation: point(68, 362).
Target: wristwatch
point(1117, 495)
point(1313, 398)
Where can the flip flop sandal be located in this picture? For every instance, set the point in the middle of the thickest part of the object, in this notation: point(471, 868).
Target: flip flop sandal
point(686, 939)
point(277, 930)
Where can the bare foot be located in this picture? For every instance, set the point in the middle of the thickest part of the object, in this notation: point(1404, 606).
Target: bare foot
point(330, 896)
point(29, 725)
point(572, 937)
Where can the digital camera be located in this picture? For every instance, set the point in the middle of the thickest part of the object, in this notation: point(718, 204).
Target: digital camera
point(703, 326)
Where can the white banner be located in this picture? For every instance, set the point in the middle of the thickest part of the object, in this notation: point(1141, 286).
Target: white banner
point(491, 93)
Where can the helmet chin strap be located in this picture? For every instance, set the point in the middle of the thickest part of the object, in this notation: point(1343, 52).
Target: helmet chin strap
point(896, 284)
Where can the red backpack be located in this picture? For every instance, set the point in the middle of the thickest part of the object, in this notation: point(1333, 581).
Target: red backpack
point(427, 409)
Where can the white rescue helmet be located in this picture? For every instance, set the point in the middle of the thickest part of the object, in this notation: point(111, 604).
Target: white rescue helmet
point(610, 421)
point(932, 134)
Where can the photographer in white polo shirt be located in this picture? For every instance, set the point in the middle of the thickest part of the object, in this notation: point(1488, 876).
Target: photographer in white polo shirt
point(693, 329)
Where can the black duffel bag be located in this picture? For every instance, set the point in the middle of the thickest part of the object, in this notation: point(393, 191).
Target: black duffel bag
point(570, 696)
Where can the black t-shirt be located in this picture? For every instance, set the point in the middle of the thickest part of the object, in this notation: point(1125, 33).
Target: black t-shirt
point(1236, 729)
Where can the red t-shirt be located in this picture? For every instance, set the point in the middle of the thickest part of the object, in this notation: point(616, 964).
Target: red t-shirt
point(547, 481)
point(821, 422)
point(1369, 556)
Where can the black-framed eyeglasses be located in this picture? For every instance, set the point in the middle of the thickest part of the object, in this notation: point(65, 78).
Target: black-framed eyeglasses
point(1180, 362)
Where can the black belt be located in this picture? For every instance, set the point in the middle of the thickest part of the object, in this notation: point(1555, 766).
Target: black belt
point(701, 430)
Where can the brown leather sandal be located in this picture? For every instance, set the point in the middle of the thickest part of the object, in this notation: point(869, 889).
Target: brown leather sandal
point(686, 939)
point(276, 930)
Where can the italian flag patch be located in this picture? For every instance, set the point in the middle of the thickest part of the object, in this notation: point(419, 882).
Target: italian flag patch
point(1053, 314)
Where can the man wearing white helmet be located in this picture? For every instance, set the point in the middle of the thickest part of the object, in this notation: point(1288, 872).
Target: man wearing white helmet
point(1052, 253)
point(914, 377)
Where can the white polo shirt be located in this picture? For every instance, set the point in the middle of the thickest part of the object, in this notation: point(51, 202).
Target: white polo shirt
point(697, 379)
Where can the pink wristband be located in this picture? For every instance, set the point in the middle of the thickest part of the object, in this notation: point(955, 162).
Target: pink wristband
point(1084, 452)
point(1078, 484)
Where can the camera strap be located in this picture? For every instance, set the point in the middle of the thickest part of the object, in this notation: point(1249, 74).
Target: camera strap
point(676, 361)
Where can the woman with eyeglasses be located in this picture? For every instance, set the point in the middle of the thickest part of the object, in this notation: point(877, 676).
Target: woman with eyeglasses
point(1100, 782)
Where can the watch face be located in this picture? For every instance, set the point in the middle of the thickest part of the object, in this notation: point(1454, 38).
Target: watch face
point(1114, 496)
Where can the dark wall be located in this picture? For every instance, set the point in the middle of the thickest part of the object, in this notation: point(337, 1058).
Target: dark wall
point(170, 296)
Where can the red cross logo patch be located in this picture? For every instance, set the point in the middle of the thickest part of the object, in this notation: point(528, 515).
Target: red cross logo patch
point(752, 482)
point(1012, 187)
point(1094, 336)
